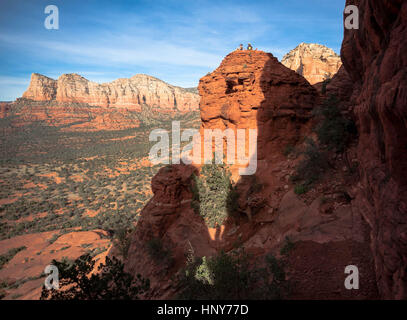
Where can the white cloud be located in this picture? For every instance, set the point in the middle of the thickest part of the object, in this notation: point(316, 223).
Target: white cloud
point(117, 51)
point(12, 87)
point(13, 81)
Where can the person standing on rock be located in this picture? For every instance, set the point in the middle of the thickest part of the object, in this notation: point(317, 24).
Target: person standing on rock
point(249, 46)
point(240, 47)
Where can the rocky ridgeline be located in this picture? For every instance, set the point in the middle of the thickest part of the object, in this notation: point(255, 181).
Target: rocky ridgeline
point(122, 93)
point(314, 62)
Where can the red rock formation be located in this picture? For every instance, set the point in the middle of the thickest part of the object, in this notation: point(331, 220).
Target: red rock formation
point(254, 90)
point(70, 116)
point(314, 62)
point(41, 88)
point(81, 105)
point(375, 58)
point(169, 217)
point(122, 93)
point(4, 109)
point(340, 85)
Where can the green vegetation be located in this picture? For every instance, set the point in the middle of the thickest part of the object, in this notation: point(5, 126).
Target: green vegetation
point(288, 149)
point(54, 179)
point(96, 251)
point(64, 174)
point(4, 258)
point(324, 84)
point(230, 277)
point(300, 189)
point(334, 133)
point(334, 130)
point(287, 246)
point(110, 283)
point(310, 168)
point(3, 286)
point(324, 200)
point(158, 252)
point(213, 194)
point(122, 240)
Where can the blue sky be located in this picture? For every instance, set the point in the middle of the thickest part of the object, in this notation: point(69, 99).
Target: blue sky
point(176, 41)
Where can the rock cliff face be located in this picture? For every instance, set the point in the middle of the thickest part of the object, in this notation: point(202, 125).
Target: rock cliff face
point(122, 93)
point(314, 62)
point(254, 90)
point(340, 85)
point(375, 58)
point(366, 227)
point(169, 218)
point(68, 116)
point(4, 109)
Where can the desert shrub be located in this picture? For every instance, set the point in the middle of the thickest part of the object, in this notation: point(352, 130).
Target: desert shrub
point(232, 205)
point(54, 238)
point(288, 149)
point(255, 185)
point(3, 286)
point(310, 167)
point(110, 283)
point(324, 200)
point(300, 189)
point(96, 251)
point(230, 277)
point(287, 246)
point(122, 240)
point(158, 252)
point(324, 84)
point(213, 194)
point(4, 258)
point(334, 130)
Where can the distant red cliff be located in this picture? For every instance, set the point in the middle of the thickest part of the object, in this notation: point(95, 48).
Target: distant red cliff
point(122, 93)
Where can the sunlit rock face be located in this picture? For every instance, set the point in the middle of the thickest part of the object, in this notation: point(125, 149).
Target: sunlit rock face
point(122, 93)
point(314, 62)
point(253, 90)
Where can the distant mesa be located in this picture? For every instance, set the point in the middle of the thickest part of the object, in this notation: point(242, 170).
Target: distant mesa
point(314, 62)
point(130, 93)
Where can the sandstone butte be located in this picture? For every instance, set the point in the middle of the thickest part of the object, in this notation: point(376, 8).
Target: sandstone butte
point(76, 104)
point(368, 229)
point(130, 93)
point(314, 62)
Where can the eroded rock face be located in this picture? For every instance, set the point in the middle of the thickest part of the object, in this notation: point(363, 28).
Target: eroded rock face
point(314, 62)
point(340, 85)
point(67, 116)
point(254, 90)
point(375, 58)
point(122, 93)
point(4, 109)
point(168, 217)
